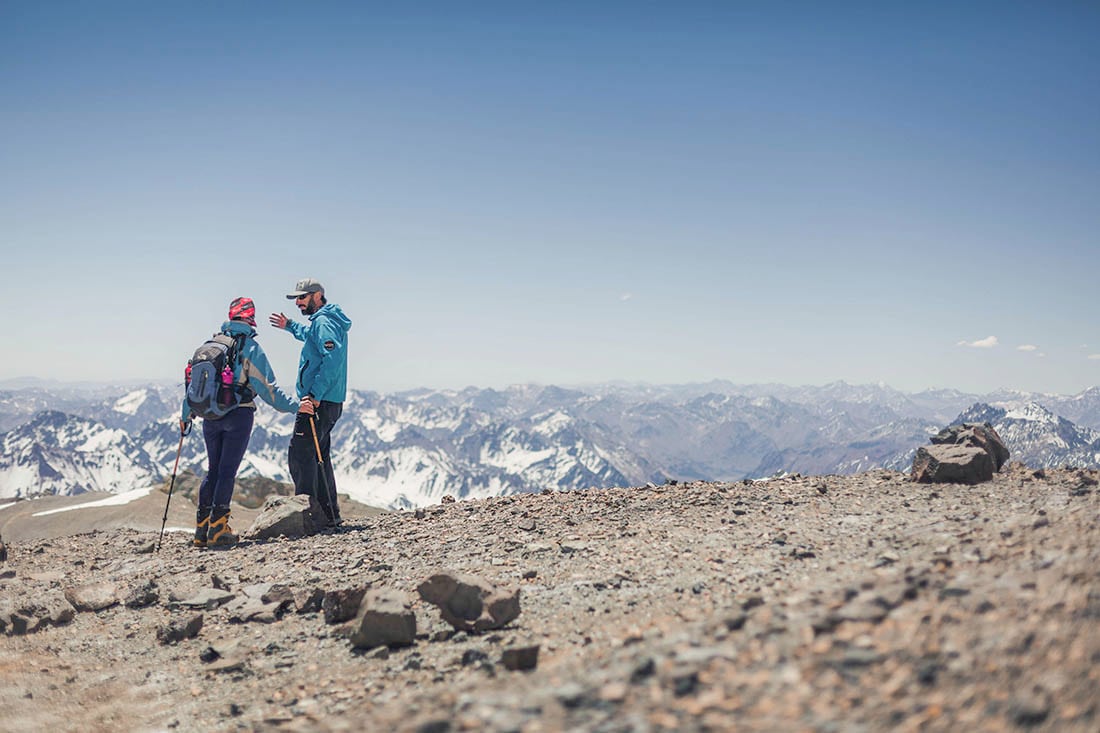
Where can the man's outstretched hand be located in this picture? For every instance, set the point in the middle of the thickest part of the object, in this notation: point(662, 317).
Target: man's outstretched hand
point(278, 320)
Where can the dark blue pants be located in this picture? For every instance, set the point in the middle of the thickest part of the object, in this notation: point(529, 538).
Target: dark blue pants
point(226, 441)
point(302, 456)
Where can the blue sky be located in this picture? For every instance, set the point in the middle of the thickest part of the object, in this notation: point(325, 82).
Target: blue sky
point(560, 192)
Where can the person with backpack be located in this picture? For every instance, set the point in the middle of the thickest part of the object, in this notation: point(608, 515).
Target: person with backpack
point(223, 379)
point(322, 387)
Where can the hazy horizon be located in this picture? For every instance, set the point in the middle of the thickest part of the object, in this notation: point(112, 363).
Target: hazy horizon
point(24, 382)
point(562, 193)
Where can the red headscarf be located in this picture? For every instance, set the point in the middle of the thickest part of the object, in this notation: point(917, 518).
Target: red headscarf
point(243, 309)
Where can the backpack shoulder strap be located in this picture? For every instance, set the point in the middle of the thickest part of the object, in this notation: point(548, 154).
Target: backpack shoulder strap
point(237, 358)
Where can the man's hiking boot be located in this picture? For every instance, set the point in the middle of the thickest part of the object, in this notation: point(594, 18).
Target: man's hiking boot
point(202, 525)
point(220, 534)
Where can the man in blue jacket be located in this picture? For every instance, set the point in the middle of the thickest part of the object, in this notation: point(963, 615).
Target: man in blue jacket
point(322, 387)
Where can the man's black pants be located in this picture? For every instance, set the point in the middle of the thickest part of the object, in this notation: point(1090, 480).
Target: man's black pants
point(304, 467)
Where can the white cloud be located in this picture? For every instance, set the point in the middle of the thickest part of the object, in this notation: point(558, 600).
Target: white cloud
point(1094, 356)
point(1027, 347)
point(625, 297)
point(987, 343)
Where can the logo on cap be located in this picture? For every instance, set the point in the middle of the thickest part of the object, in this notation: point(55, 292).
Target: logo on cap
point(305, 287)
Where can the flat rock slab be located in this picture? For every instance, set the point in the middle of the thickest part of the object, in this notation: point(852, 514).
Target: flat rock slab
point(93, 597)
point(208, 598)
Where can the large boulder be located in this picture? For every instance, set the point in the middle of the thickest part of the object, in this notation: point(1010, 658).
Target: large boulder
point(975, 435)
point(283, 516)
point(952, 464)
point(969, 453)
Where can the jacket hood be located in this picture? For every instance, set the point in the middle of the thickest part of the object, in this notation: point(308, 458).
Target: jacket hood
point(236, 328)
point(333, 313)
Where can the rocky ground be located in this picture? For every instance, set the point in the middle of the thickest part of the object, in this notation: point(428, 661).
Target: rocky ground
point(808, 603)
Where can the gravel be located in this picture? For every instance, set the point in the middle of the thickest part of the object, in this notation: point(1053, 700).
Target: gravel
point(825, 603)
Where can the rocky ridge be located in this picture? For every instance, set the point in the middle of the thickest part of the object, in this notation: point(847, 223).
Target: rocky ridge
point(410, 449)
point(863, 602)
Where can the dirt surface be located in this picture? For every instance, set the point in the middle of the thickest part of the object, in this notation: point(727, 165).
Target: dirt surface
point(860, 603)
point(58, 516)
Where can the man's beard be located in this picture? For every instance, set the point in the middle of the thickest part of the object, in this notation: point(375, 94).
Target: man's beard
point(311, 308)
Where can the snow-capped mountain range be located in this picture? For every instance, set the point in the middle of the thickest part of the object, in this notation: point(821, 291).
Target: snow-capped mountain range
point(412, 448)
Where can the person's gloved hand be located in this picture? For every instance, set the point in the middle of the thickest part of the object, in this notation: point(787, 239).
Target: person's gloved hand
point(185, 427)
point(306, 407)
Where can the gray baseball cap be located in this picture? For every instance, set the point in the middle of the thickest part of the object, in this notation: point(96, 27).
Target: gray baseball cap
point(303, 287)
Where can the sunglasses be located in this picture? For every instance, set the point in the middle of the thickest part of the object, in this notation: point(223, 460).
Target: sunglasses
point(303, 296)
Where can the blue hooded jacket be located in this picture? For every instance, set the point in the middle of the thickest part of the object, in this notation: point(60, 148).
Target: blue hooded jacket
point(323, 367)
point(254, 369)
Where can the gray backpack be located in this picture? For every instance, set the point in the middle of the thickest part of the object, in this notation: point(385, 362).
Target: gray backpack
point(212, 391)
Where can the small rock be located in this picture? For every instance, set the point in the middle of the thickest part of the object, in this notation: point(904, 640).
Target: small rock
point(244, 609)
point(570, 695)
point(145, 548)
point(684, 680)
point(179, 629)
point(735, 622)
point(473, 656)
point(470, 603)
point(229, 664)
point(385, 618)
point(860, 658)
point(221, 583)
point(28, 616)
point(520, 658)
point(208, 598)
point(141, 595)
point(613, 692)
point(643, 670)
point(752, 602)
point(93, 597)
point(342, 604)
point(308, 601)
point(1030, 708)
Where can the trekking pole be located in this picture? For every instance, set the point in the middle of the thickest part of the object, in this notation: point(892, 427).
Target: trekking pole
point(321, 467)
point(171, 485)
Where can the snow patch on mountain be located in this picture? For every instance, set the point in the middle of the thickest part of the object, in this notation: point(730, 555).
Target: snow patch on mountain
point(116, 500)
point(64, 454)
point(1036, 436)
point(129, 404)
